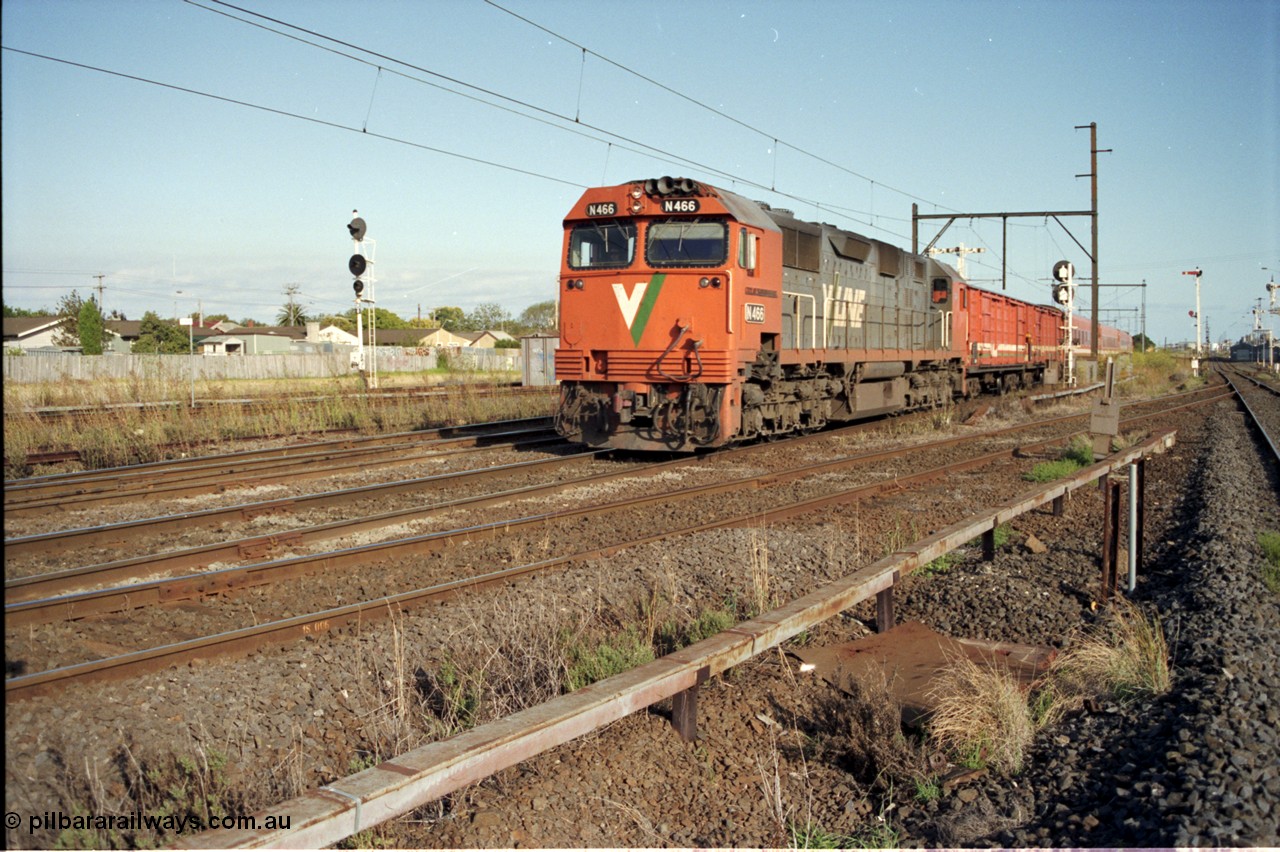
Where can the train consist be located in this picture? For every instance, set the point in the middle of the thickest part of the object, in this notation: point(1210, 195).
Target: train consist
point(692, 317)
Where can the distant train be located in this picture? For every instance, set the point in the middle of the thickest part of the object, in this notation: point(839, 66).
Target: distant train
point(692, 317)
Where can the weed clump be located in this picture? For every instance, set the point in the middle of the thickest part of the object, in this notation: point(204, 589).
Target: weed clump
point(1270, 544)
point(590, 663)
point(982, 715)
point(1076, 456)
point(1124, 658)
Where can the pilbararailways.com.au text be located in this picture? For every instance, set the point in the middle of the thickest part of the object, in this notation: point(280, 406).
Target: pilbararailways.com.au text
point(138, 821)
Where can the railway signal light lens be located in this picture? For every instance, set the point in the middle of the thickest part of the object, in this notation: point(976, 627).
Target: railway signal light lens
point(357, 227)
point(358, 286)
point(357, 265)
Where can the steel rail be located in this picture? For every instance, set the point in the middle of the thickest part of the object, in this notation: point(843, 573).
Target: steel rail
point(130, 531)
point(64, 540)
point(1256, 421)
point(246, 640)
point(374, 397)
point(41, 598)
point(24, 606)
point(267, 472)
point(325, 816)
point(433, 433)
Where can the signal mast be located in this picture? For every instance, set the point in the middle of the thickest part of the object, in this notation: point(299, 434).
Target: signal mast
point(1064, 293)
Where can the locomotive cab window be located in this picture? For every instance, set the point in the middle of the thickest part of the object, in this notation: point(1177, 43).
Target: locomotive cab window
point(941, 290)
point(602, 245)
point(687, 242)
point(747, 247)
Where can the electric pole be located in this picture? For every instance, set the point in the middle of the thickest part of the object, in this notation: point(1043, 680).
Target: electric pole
point(1093, 180)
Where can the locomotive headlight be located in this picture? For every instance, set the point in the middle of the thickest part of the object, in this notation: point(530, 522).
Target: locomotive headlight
point(573, 285)
point(636, 191)
point(637, 206)
point(704, 283)
point(715, 282)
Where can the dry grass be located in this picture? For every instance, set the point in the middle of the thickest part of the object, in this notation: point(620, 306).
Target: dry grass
point(982, 715)
point(985, 718)
point(117, 436)
point(868, 732)
point(1124, 658)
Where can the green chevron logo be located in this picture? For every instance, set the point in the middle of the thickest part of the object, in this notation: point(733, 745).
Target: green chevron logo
point(638, 304)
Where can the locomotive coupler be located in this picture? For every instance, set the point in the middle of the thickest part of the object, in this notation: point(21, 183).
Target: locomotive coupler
point(624, 405)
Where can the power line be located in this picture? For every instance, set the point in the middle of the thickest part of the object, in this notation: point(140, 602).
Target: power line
point(763, 133)
point(286, 114)
point(571, 122)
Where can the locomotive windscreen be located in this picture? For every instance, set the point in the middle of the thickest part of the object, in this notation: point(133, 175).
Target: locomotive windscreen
point(682, 242)
point(602, 245)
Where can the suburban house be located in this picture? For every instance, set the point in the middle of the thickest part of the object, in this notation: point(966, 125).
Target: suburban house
point(442, 337)
point(32, 333)
point(37, 334)
point(255, 340)
point(485, 339)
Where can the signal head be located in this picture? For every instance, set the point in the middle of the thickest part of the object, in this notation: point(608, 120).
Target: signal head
point(357, 227)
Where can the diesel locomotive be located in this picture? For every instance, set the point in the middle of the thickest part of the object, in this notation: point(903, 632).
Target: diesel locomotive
point(692, 317)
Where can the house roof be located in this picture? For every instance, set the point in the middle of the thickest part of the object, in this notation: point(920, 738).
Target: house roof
point(399, 336)
point(293, 332)
point(18, 327)
point(128, 329)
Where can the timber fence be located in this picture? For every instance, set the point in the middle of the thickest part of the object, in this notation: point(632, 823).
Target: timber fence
point(59, 367)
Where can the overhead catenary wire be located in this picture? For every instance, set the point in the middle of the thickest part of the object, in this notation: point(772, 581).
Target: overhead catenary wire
point(570, 121)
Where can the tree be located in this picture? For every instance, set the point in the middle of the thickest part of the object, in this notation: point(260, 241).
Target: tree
point(23, 312)
point(91, 328)
point(488, 317)
point(1142, 343)
point(214, 319)
point(450, 319)
point(293, 312)
point(540, 318)
point(347, 324)
point(382, 316)
point(69, 310)
point(157, 335)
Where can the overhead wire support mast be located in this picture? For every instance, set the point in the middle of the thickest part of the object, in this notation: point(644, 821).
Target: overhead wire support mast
point(1092, 213)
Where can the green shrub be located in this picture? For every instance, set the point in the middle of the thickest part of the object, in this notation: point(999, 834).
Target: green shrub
point(1270, 542)
point(588, 665)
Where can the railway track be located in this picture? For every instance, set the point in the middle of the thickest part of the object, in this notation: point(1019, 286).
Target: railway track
point(374, 399)
point(250, 468)
point(230, 548)
point(1261, 403)
point(793, 499)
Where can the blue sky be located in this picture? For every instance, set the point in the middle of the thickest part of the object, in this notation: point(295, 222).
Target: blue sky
point(845, 112)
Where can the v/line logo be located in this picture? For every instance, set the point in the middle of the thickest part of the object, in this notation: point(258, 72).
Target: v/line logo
point(637, 305)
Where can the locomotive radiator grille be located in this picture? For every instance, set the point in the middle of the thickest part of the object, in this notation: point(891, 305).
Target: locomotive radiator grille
point(570, 364)
point(718, 367)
